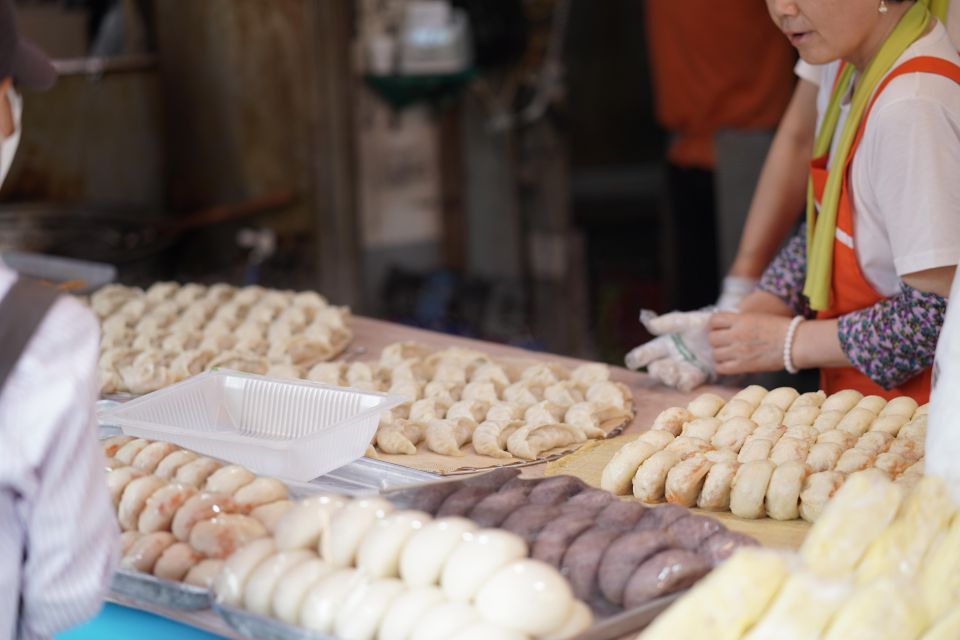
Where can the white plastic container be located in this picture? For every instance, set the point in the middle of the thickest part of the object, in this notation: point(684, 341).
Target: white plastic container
point(291, 429)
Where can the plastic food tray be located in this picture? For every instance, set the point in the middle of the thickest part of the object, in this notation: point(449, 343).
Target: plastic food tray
point(163, 593)
point(292, 429)
point(56, 269)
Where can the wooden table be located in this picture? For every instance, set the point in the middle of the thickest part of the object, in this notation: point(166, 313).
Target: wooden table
point(650, 398)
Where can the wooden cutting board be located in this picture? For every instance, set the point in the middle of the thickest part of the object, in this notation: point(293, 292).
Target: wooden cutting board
point(588, 462)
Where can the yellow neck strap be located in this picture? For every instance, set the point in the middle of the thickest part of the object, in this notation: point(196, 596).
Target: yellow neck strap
point(822, 225)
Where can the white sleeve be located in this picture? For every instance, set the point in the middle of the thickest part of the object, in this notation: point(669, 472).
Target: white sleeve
point(71, 541)
point(913, 164)
point(812, 73)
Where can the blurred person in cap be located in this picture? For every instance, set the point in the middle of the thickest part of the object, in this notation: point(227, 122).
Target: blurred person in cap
point(58, 533)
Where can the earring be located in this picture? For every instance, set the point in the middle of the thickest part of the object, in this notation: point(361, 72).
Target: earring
point(883, 6)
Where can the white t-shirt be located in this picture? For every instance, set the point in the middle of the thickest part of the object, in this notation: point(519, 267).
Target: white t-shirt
point(905, 176)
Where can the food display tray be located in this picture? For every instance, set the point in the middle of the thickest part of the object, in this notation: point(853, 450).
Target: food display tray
point(88, 276)
point(260, 627)
point(143, 587)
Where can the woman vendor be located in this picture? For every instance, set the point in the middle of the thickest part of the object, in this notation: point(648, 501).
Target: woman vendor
point(860, 291)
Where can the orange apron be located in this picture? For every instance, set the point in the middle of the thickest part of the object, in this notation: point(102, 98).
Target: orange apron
point(849, 289)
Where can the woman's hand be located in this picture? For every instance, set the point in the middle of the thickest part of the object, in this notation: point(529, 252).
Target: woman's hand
point(747, 342)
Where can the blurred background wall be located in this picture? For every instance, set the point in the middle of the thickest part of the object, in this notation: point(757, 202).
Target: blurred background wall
point(244, 140)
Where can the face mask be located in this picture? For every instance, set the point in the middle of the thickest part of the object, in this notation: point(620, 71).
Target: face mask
point(8, 147)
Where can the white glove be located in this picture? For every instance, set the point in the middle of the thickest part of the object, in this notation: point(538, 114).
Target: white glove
point(680, 356)
point(735, 289)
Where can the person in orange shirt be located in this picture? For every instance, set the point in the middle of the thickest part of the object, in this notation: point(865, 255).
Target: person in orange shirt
point(722, 78)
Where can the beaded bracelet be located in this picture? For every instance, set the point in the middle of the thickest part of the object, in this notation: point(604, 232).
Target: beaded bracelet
point(788, 345)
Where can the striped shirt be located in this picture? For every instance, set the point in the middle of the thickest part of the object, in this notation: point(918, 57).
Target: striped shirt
point(58, 533)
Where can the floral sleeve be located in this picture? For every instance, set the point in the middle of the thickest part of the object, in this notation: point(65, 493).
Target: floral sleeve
point(895, 339)
point(785, 276)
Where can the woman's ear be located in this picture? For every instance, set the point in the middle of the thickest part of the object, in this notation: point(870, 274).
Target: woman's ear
point(7, 125)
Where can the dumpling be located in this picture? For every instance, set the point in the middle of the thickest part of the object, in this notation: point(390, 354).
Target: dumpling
point(543, 375)
point(400, 436)
point(240, 362)
point(333, 317)
point(190, 363)
point(255, 347)
point(505, 412)
point(148, 372)
point(284, 372)
point(607, 394)
point(405, 388)
point(447, 436)
point(427, 409)
point(231, 314)
point(261, 315)
point(309, 299)
point(220, 293)
point(148, 340)
point(394, 354)
point(330, 373)
point(280, 332)
point(445, 392)
point(459, 355)
point(409, 370)
point(306, 350)
point(564, 394)
point(249, 295)
point(450, 372)
point(181, 341)
point(490, 372)
point(589, 374)
point(589, 417)
point(250, 331)
point(219, 342)
point(543, 413)
point(490, 437)
point(485, 391)
point(475, 410)
point(530, 441)
point(524, 393)
point(217, 329)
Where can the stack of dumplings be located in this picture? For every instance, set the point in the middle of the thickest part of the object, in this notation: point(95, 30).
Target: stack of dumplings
point(459, 397)
point(154, 338)
point(183, 514)
point(775, 453)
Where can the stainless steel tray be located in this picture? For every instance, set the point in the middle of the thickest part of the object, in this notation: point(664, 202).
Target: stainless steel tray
point(260, 627)
point(164, 593)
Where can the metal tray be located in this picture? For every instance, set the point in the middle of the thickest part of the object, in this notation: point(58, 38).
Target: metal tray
point(57, 269)
point(163, 593)
point(260, 627)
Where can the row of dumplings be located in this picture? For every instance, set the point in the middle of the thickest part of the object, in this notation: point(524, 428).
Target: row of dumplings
point(153, 338)
point(456, 397)
point(182, 514)
point(361, 569)
point(780, 453)
point(882, 562)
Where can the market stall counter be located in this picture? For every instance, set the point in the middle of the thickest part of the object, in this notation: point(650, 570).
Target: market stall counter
point(370, 338)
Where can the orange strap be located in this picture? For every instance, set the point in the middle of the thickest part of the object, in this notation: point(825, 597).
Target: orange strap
point(920, 64)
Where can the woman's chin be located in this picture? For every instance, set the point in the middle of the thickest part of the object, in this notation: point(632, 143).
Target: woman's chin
point(815, 55)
